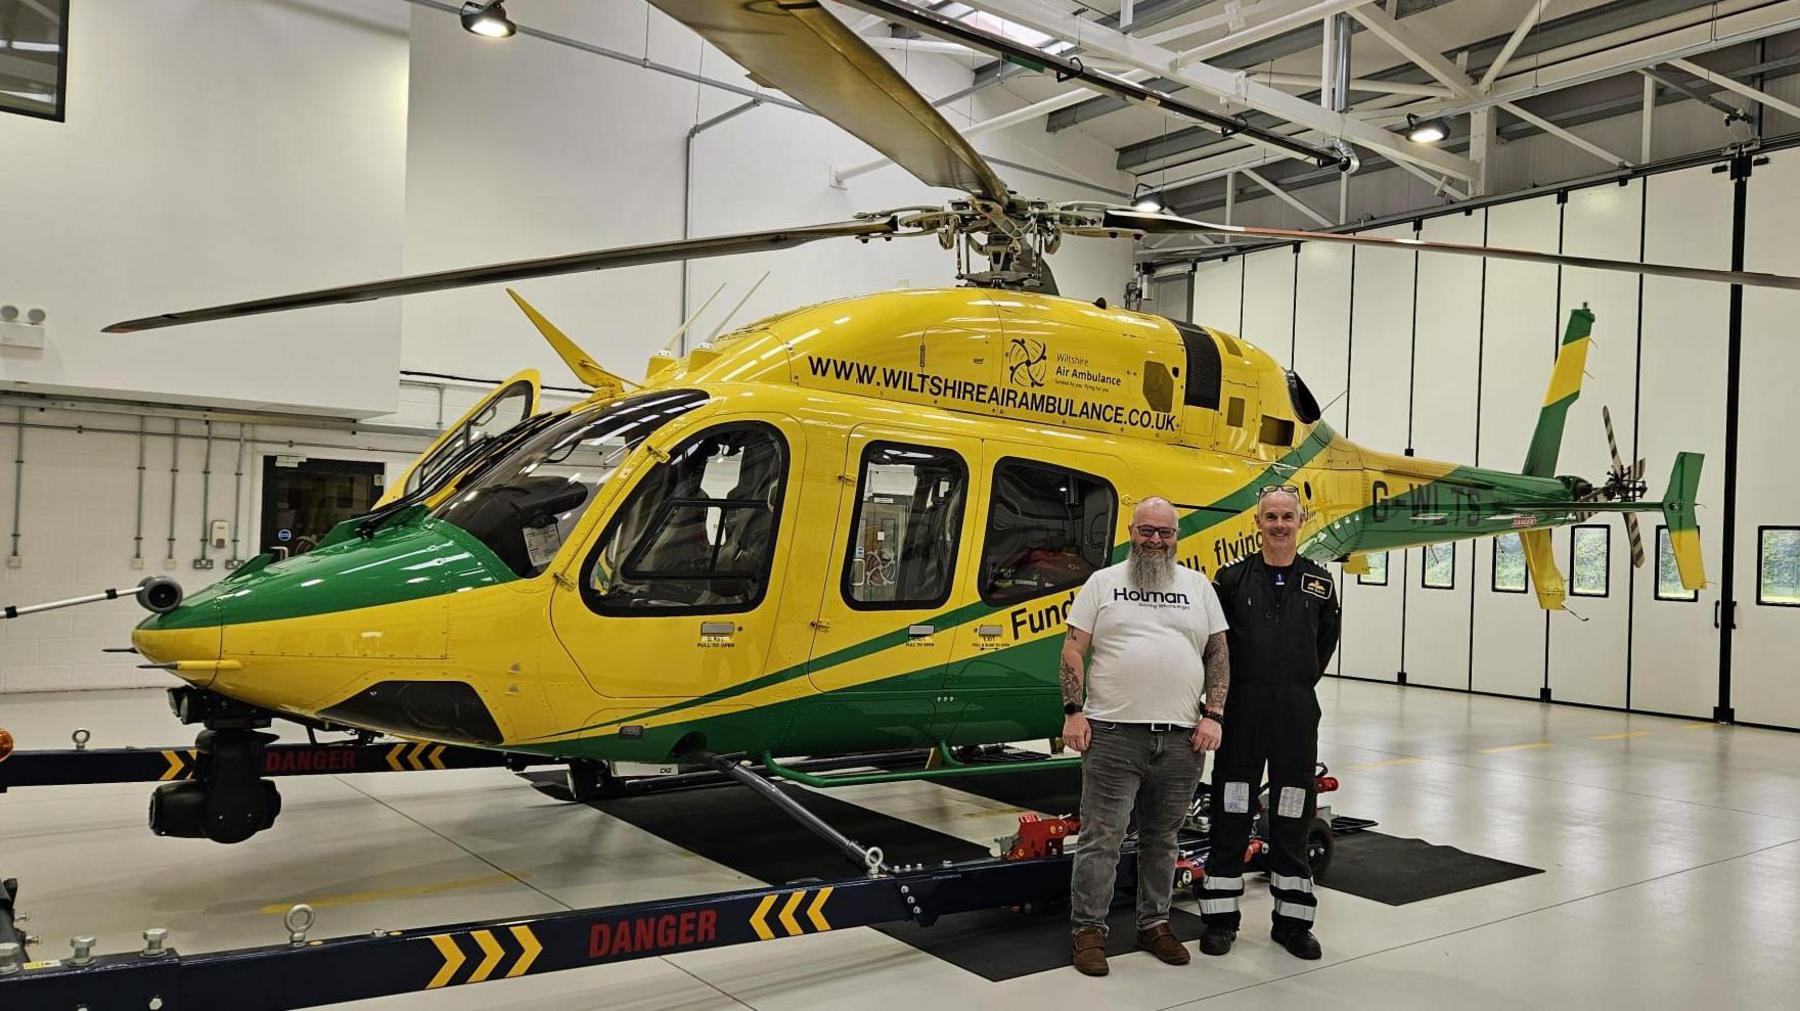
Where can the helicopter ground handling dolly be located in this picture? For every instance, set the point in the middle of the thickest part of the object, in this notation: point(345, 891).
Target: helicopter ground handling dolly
point(1030, 874)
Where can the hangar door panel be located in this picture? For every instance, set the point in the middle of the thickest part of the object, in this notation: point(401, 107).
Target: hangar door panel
point(1518, 346)
point(1674, 645)
point(1269, 302)
point(1219, 293)
point(1444, 390)
point(1587, 657)
point(1322, 345)
point(1322, 326)
point(1380, 358)
point(1764, 688)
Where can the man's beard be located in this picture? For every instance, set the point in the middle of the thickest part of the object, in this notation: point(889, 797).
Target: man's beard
point(1151, 567)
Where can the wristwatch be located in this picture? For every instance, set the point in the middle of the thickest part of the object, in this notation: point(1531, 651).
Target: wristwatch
point(1212, 714)
point(1071, 708)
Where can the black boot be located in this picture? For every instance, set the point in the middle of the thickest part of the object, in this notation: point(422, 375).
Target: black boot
point(1298, 941)
point(1216, 940)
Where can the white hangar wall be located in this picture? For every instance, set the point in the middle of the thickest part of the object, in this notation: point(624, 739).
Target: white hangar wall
point(217, 150)
point(1450, 357)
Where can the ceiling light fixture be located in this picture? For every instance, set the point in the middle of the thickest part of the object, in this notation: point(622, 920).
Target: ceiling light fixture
point(488, 20)
point(1427, 131)
point(1142, 199)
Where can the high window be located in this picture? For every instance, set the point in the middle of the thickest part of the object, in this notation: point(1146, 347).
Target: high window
point(697, 535)
point(1509, 564)
point(1048, 529)
point(1668, 574)
point(1439, 570)
point(1377, 574)
point(1778, 566)
point(34, 64)
point(1590, 557)
point(908, 524)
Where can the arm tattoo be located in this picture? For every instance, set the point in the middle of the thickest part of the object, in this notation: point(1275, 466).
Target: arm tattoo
point(1074, 691)
point(1218, 671)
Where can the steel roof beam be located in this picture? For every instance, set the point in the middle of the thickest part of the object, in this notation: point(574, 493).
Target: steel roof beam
point(1415, 47)
point(1236, 87)
point(1526, 23)
point(1732, 84)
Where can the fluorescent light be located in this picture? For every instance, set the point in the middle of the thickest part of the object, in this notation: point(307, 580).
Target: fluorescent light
point(34, 47)
point(1143, 199)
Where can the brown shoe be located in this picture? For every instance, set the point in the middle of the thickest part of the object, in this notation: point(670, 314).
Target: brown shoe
point(1162, 942)
point(1090, 951)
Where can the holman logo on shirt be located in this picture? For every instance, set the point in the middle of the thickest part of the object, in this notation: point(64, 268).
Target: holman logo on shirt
point(1150, 596)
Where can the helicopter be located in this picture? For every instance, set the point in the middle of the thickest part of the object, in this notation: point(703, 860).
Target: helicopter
point(847, 527)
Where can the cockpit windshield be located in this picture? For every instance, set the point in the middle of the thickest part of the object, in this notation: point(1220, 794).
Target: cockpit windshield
point(525, 504)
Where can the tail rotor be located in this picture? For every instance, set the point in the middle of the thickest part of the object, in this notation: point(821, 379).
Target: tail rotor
point(1625, 486)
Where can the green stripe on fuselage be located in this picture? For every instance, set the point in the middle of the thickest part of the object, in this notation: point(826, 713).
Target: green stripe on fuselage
point(1195, 522)
point(398, 563)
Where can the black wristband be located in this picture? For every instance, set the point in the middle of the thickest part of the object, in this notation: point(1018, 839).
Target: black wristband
point(1212, 714)
point(1071, 708)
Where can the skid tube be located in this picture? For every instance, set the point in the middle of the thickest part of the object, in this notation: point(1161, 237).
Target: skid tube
point(308, 973)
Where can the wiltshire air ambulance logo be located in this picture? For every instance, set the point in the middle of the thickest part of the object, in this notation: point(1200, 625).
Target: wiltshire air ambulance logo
point(1025, 362)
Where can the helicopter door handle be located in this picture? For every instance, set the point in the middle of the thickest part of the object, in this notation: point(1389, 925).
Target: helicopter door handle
point(921, 631)
point(989, 631)
point(711, 628)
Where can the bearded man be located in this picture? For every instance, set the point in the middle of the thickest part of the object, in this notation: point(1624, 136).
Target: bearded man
point(1142, 711)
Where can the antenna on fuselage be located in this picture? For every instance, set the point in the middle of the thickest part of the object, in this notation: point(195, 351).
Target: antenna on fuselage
point(740, 304)
point(669, 345)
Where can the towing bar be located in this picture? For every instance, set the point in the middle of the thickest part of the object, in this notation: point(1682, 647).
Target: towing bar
point(308, 973)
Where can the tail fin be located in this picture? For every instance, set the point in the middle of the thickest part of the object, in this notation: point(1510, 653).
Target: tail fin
point(580, 362)
point(1541, 561)
point(1565, 386)
point(1684, 528)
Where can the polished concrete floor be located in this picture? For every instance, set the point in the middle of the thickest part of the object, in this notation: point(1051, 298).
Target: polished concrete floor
point(1671, 851)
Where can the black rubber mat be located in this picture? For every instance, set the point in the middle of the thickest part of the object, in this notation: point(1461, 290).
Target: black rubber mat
point(730, 825)
point(1046, 791)
point(1000, 944)
point(1397, 870)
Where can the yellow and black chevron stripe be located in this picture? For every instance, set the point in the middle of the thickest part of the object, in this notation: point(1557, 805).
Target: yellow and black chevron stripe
point(415, 757)
point(787, 920)
point(458, 950)
point(181, 764)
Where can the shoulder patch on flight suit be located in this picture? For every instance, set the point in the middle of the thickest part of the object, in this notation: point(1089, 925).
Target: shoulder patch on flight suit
point(1318, 586)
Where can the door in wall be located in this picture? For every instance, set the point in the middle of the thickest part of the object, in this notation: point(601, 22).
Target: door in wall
point(302, 498)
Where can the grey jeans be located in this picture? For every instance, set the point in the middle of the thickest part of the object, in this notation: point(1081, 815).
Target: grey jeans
point(1130, 766)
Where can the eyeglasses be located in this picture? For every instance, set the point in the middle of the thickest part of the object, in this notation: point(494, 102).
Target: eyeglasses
point(1269, 489)
point(1147, 532)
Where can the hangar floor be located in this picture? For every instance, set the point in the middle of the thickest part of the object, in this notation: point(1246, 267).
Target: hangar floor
point(1671, 851)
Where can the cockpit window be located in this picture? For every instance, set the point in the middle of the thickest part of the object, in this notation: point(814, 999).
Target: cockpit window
point(697, 535)
point(524, 505)
point(512, 406)
point(1306, 406)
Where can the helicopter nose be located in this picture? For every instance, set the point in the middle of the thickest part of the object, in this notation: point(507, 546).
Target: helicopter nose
point(183, 640)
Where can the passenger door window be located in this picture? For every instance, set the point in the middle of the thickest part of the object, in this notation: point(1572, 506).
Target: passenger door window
point(1048, 529)
point(908, 523)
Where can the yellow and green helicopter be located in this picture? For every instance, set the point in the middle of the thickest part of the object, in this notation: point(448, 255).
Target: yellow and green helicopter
point(848, 527)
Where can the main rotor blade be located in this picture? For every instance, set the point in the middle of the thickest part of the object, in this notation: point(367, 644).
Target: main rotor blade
point(804, 50)
point(1157, 223)
point(549, 266)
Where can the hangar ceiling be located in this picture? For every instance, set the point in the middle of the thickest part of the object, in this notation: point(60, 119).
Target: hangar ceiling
point(1494, 71)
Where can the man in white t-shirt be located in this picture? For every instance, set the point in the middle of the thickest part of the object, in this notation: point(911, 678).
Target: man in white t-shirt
point(1142, 711)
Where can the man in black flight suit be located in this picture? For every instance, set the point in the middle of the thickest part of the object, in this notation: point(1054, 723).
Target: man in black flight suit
point(1283, 612)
